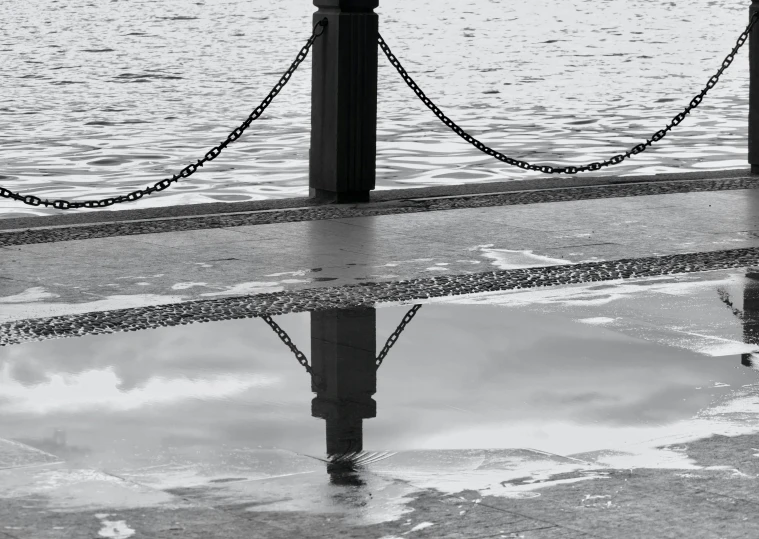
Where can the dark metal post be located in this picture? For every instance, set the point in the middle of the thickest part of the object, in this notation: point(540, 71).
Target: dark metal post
point(343, 351)
point(342, 157)
point(750, 318)
point(753, 92)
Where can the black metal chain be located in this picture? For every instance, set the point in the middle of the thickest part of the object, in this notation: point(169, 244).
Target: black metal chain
point(190, 169)
point(303, 360)
point(300, 356)
point(724, 296)
point(568, 170)
point(397, 333)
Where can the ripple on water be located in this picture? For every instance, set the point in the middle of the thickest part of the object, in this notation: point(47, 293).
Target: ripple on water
point(108, 161)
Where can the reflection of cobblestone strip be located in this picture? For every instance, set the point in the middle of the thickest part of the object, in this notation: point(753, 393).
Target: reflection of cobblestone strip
point(126, 228)
point(366, 294)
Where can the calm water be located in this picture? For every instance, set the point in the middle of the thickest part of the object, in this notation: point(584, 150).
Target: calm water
point(100, 98)
point(563, 371)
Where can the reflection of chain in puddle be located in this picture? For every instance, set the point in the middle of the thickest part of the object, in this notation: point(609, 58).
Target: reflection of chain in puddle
point(749, 315)
point(344, 377)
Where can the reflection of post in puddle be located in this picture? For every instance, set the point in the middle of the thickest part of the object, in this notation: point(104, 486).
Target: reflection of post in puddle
point(343, 344)
point(344, 378)
point(57, 446)
point(749, 315)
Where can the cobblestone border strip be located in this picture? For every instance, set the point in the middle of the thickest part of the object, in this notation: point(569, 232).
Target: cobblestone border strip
point(127, 228)
point(366, 294)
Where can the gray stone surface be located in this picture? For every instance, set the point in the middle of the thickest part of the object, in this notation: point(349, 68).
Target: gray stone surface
point(100, 274)
point(108, 320)
point(36, 232)
point(716, 500)
point(643, 503)
point(128, 212)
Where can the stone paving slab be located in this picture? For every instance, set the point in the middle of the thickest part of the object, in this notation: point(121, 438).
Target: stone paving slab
point(130, 212)
point(38, 232)
point(66, 277)
point(643, 503)
point(630, 503)
point(126, 313)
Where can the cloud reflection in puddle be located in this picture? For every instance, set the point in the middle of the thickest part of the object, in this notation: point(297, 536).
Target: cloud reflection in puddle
point(101, 389)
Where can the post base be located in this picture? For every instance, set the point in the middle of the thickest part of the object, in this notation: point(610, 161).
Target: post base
point(322, 195)
point(754, 169)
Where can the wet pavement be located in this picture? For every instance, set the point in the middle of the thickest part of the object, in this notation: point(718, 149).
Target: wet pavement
point(99, 274)
point(623, 408)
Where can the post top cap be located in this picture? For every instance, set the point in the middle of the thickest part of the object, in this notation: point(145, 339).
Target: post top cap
point(348, 5)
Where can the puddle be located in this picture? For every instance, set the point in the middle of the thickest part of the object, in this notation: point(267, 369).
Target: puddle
point(36, 293)
point(506, 259)
point(502, 393)
point(114, 529)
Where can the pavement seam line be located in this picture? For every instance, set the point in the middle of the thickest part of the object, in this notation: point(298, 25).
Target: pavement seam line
point(723, 495)
point(536, 529)
point(538, 519)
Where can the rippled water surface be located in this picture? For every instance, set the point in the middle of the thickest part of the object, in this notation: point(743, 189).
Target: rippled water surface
point(100, 98)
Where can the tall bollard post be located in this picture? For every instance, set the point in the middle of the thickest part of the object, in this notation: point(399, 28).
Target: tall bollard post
point(343, 348)
point(753, 92)
point(342, 157)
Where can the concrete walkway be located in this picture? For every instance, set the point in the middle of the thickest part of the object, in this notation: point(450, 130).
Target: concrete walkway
point(65, 277)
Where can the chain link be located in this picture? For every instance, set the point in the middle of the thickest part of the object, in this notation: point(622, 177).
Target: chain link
point(190, 169)
point(303, 360)
point(571, 169)
point(300, 356)
point(724, 296)
point(397, 333)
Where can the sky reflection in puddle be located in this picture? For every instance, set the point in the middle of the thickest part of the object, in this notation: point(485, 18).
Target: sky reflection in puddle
point(497, 392)
point(497, 379)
